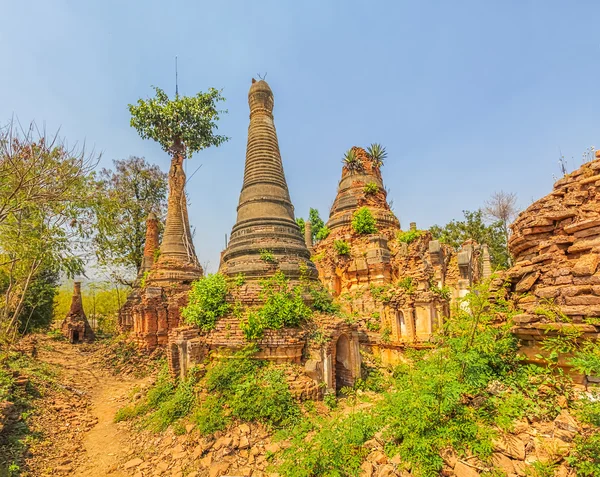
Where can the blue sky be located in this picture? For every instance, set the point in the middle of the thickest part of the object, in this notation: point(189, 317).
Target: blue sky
point(469, 97)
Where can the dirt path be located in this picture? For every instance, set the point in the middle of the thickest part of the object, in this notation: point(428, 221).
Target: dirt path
point(105, 444)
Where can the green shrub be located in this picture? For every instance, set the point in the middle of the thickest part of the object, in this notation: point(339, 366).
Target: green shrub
point(322, 300)
point(385, 335)
point(371, 188)
point(443, 292)
point(282, 306)
point(323, 233)
point(207, 302)
point(377, 154)
point(585, 457)
point(330, 400)
point(209, 416)
point(363, 221)
point(341, 247)
point(408, 284)
point(267, 255)
point(409, 236)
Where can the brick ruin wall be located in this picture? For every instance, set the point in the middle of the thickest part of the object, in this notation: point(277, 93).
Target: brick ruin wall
point(555, 280)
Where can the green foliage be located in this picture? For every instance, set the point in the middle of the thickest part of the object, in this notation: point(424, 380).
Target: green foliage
point(351, 161)
point(207, 302)
point(267, 256)
point(239, 280)
point(282, 306)
point(323, 233)
point(183, 125)
point(341, 247)
point(586, 359)
point(330, 400)
point(302, 224)
point(443, 292)
point(322, 300)
point(144, 279)
point(371, 188)
point(585, 458)
point(385, 335)
point(124, 199)
point(377, 154)
point(408, 284)
point(363, 221)
point(473, 226)
point(372, 325)
point(409, 236)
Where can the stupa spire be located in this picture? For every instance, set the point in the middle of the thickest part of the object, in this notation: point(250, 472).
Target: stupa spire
point(75, 327)
point(177, 254)
point(151, 244)
point(265, 214)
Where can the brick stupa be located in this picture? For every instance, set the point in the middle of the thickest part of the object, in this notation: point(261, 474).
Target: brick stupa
point(264, 240)
point(151, 245)
point(171, 275)
point(265, 237)
point(351, 196)
point(75, 327)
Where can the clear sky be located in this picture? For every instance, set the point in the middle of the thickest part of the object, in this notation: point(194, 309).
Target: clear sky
point(469, 97)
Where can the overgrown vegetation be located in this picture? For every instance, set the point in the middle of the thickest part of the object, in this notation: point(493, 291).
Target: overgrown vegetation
point(341, 247)
point(282, 305)
point(234, 388)
point(409, 236)
point(207, 302)
point(371, 188)
point(363, 221)
point(267, 255)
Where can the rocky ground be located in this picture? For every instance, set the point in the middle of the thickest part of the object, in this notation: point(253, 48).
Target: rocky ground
point(73, 432)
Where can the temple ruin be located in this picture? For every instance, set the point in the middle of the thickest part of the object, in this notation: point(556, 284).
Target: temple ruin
point(151, 247)
point(555, 279)
point(167, 283)
point(264, 240)
point(75, 327)
point(398, 286)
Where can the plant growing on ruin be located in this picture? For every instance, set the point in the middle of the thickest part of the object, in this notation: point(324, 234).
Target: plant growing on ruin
point(267, 255)
point(377, 154)
point(184, 125)
point(322, 299)
point(363, 221)
point(371, 188)
point(409, 236)
point(302, 224)
point(352, 162)
point(207, 302)
point(282, 306)
point(341, 247)
point(408, 284)
point(443, 292)
point(323, 233)
point(386, 334)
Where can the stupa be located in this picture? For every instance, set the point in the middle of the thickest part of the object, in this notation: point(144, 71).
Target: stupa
point(75, 327)
point(170, 277)
point(266, 240)
point(151, 246)
point(265, 236)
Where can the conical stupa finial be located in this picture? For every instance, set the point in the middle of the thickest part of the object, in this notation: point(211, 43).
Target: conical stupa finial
point(265, 218)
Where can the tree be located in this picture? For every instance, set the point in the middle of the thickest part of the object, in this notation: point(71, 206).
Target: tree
point(125, 198)
point(182, 126)
point(455, 232)
point(502, 207)
point(44, 205)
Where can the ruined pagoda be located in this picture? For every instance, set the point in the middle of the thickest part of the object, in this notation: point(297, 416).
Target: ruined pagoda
point(75, 327)
point(151, 246)
point(265, 237)
point(265, 240)
point(171, 275)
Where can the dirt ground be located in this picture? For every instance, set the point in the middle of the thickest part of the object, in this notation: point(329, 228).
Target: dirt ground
point(75, 423)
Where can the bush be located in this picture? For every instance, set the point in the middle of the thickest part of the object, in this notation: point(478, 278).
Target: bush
point(341, 247)
point(363, 221)
point(408, 284)
point(282, 306)
point(409, 236)
point(585, 458)
point(322, 300)
point(207, 302)
point(267, 255)
point(371, 188)
point(323, 233)
point(209, 416)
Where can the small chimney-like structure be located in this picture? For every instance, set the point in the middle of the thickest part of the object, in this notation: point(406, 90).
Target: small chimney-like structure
point(75, 327)
point(308, 235)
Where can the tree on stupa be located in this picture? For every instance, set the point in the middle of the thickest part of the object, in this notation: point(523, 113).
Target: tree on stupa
point(182, 126)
